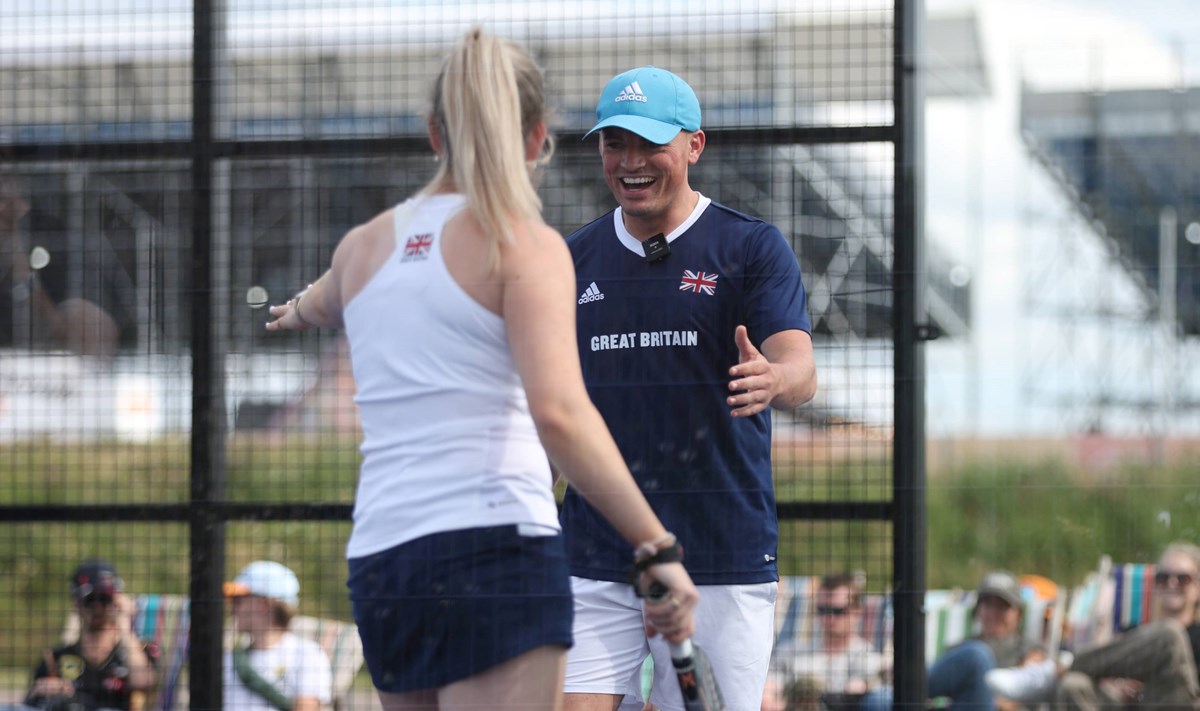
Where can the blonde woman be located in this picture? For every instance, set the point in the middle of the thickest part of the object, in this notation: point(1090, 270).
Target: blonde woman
point(460, 313)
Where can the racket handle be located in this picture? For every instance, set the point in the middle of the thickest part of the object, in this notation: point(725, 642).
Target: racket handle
point(682, 653)
point(656, 592)
point(697, 685)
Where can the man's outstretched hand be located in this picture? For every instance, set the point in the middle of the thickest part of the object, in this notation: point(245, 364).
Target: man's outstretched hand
point(754, 380)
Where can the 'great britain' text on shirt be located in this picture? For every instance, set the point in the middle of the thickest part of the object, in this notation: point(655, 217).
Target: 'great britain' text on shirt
point(644, 339)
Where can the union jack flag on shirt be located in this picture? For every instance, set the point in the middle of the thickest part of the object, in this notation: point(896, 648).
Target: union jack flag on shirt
point(418, 245)
point(698, 282)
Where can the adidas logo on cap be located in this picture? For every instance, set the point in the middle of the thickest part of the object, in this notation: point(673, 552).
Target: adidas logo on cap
point(632, 92)
point(592, 293)
point(650, 102)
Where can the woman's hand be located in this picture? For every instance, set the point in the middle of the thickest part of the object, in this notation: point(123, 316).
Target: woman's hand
point(671, 613)
point(288, 316)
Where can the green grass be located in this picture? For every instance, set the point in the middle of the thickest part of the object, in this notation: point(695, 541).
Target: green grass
point(1046, 519)
point(1029, 517)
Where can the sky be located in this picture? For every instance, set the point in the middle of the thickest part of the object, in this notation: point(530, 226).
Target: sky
point(980, 184)
point(1171, 21)
point(982, 190)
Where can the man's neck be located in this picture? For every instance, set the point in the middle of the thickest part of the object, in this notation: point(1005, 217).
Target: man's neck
point(676, 215)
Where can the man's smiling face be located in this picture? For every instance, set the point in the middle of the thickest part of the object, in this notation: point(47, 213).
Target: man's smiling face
point(648, 180)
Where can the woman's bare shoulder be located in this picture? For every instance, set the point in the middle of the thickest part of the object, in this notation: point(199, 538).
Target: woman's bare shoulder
point(535, 245)
point(361, 254)
point(369, 238)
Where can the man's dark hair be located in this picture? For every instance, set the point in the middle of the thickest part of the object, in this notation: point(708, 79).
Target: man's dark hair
point(843, 580)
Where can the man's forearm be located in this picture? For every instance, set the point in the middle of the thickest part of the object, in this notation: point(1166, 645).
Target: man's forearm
point(799, 385)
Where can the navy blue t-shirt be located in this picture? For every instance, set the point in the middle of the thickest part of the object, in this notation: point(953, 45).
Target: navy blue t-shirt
point(656, 342)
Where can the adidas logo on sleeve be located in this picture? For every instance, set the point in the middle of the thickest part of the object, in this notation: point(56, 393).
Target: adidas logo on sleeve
point(632, 92)
point(592, 293)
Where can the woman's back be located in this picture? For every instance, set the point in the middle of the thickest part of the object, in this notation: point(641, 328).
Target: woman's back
point(448, 439)
point(462, 337)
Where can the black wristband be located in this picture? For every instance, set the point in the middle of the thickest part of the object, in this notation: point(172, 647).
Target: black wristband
point(670, 554)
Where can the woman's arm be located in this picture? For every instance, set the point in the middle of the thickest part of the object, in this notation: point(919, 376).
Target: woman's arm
point(357, 257)
point(539, 315)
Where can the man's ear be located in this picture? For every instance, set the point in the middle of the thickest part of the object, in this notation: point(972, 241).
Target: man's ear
point(696, 143)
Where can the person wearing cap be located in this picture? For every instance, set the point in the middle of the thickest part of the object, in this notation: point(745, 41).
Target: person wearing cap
point(960, 673)
point(1152, 666)
point(108, 666)
point(691, 325)
point(458, 312)
point(269, 668)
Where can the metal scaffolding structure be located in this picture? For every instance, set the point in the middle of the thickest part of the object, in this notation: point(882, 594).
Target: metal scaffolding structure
point(1115, 281)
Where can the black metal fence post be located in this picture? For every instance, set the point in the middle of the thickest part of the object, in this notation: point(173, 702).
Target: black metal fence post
point(908, 479)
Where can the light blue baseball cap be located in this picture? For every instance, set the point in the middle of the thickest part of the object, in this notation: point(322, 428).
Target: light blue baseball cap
point(651, 102)
point(266, 579)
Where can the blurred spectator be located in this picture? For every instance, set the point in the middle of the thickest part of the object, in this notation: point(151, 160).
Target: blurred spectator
point(271, 669)
point(73, 324)
point(1151, 666)
point(960, 673)
point(840, 670)
point(107, 667)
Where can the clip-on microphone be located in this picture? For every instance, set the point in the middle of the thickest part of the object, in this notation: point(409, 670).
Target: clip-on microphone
point(656, 248)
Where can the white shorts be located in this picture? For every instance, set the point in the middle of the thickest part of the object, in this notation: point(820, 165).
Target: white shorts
point(735, 627)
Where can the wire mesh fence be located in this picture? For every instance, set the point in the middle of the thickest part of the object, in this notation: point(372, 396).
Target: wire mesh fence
point(167, 170)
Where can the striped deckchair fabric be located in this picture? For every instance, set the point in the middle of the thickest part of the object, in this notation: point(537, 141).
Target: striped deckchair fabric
point(878, 621)
point(948, 620)
point(165, 621)
point(1089, 616)
point(1052, 631)
point(1112, 599)
point(1133, 592)
point(795, 609)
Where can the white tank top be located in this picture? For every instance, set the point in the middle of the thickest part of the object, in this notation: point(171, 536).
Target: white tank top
point(448, 440)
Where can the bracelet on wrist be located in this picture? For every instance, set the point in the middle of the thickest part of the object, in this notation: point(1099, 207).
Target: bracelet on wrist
point(671, 553)
point(296, 308)
point(649, 548)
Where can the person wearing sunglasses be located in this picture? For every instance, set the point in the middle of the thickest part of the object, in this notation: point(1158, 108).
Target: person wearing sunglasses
point(1151, 666)
point(107, 666)
point(839, 668)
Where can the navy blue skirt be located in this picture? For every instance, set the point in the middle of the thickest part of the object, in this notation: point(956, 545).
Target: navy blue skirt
point(451, 605)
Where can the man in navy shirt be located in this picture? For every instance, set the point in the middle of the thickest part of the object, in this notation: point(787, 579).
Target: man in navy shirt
point(692, 324)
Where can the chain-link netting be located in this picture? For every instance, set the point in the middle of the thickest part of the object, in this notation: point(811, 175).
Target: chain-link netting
point(145, 411)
